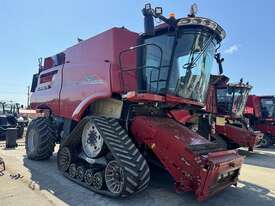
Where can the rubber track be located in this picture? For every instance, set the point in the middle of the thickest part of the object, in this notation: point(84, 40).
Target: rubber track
point(136, 169)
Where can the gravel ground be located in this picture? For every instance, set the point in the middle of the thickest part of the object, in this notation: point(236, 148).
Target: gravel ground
point(42, 184)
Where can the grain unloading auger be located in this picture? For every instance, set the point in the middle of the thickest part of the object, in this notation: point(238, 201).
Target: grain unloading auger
point(118, 101)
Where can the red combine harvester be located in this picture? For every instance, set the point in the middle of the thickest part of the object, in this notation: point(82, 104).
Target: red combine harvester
point(226, 103)
point(261, 113)
point(116, 101)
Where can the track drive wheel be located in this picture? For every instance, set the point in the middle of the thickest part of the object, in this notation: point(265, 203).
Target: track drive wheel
point(40, 139)
point(92, 141)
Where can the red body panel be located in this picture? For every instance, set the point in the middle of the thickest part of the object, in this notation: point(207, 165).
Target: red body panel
point(267, 128)
point(253, 106)
point(241, 136)
point(47, 93)
point(182, 116)
point(253, 109)
point(211, 103)
point(91, 71)
point(172, 143)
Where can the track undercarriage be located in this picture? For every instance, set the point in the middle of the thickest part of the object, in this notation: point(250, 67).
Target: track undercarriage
point(114, 167)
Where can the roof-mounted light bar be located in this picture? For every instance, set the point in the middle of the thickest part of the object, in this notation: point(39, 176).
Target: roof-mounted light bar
point(202, 22)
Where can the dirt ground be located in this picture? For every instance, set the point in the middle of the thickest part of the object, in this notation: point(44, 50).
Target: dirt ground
point(40, 183)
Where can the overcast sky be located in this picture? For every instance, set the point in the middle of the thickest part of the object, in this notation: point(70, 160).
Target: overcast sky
point(30, 29)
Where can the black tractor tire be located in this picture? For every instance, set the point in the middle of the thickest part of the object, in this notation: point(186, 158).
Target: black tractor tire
point(20, 131)
point(40, 139)
point(266, 141)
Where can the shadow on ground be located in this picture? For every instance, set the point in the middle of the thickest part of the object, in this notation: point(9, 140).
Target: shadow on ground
point(260, 157)
point(160, 192)
point(268, 149)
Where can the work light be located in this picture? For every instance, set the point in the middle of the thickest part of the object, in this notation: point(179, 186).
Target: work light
point(158, 11)
point(148, 6)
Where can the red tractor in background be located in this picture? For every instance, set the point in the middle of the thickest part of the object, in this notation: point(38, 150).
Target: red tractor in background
point(226, 103)
point(117, 102)
point(261, 113)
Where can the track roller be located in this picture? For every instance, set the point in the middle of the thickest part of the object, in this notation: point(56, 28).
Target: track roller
point(88, 176)
point(80, 171)
point(72, 170)
point(98, 180)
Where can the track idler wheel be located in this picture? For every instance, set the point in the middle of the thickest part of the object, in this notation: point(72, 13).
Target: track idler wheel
point(80, 171)
point(98, 180)
point(64, 159)
point(72, 170)
point(114, 177)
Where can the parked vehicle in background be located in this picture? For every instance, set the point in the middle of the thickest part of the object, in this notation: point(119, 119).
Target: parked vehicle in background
point(10, 118)
point(261, 113)
point(226, 103)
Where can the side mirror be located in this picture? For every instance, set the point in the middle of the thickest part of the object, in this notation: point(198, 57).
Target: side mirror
point(148, 20)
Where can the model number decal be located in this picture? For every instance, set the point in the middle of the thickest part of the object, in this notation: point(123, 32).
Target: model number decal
point(92, 79)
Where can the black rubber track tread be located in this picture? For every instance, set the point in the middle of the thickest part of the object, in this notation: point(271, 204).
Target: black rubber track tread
point(46, 139)
point(135, 167)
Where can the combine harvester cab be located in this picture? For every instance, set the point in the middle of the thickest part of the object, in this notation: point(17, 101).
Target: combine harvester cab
point(261, 113)
point(119, 100)
point(226, 102)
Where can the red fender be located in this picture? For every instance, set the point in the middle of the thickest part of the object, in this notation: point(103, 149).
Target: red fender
point(80, 109)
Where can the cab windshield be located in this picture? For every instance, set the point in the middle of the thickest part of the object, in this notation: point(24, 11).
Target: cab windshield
point(192, 65)
point(185, 63)
point(267, 107)
point(232, 100)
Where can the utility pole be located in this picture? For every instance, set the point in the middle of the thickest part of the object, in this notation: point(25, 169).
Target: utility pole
point(28, 99)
